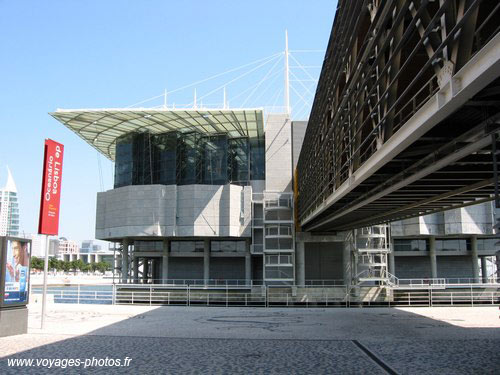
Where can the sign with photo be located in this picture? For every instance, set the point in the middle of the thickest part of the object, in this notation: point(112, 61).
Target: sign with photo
point(17, 271)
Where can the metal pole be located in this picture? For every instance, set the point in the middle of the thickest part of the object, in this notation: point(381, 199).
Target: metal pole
point(287, 77)
point(45, 271)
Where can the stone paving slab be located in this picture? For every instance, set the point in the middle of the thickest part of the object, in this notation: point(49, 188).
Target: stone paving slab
point(160, 355)
point(443, 357)
point(180, 340)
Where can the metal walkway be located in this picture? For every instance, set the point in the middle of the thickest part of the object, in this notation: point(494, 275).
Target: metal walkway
point(405, 120)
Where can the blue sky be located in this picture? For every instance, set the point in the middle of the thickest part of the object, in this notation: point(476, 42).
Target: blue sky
point(93, 54)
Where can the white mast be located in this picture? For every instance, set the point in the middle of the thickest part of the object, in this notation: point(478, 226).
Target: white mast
point(225, 101)
point(287, 79)
point(165, 99)
point(195, 104)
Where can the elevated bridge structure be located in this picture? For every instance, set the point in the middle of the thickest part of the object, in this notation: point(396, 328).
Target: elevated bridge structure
point(405, 120)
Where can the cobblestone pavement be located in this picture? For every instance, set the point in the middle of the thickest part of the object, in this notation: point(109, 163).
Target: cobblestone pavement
point(197, 340)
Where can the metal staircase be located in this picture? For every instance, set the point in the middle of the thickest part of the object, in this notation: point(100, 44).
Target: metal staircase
point(371, 253)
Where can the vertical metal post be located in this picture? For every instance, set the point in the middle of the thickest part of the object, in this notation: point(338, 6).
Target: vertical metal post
point(495, 169)
point(150, 293)
point(78, 294)
point(45, 272)
point(287, 76)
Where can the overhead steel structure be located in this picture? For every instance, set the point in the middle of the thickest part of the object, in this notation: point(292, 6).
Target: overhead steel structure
point(406, 115)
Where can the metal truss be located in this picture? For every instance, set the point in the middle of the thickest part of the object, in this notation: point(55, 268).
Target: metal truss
point(385, 60)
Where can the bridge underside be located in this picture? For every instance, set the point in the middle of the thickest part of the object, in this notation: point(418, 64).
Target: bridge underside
point(377, 151)
point(448, 167)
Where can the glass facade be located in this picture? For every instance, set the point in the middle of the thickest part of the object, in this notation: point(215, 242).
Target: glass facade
point(187, 158)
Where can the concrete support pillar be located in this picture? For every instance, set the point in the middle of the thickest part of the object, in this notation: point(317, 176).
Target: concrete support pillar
point(248, 263)
point(136, 270)
point(164, 264)
point(497, 256)
point(474, 258)
point(145, 270)
point(346, 263)
point(300, 263)
point(484, 269)
point(206, 260)
point(432, 256)
point(392, 261)
point(125, 244)
point(154, 275)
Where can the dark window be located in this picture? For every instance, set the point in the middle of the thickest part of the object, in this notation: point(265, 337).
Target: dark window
point(215, 160)
point(410, 245)
point(187, 158)
point(454, 244)
point(486, 244)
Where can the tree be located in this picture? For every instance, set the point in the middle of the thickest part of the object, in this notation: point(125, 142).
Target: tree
point(77, 264)
point(102, 266)
point(66, 266)
point(86, 267)
point(37, 263)
point(53, 262)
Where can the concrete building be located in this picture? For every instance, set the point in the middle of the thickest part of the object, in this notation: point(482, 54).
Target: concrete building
point(458, 243)
point(68, 246)
point(88, 246)
point(36, 245)
point(209, 195)
point(9, 208)
point(199, 194)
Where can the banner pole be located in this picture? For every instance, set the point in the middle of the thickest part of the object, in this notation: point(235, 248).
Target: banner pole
point(45, 241)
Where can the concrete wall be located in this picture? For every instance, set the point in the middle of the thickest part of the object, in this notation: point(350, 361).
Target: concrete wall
point(477, 219)
point(323, 261)
point(454, 266)
point(298, 133)
point(278, 153)
point(413, 267)
point(227, 268)
point(471, 220)
point(188, 210)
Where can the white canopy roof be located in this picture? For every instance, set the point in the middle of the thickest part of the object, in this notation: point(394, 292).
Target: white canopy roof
point(101, 127)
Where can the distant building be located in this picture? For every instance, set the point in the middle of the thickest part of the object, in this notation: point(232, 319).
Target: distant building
point(37, 247)
point(9, 208)
point(68, 246)
point(88, 246)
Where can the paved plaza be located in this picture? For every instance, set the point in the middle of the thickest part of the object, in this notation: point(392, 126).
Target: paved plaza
point(179, 340)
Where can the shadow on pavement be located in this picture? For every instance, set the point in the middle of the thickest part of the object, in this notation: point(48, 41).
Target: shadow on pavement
point(256, 340)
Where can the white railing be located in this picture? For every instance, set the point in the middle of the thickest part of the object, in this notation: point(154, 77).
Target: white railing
point(422, 283)
point(308, 296)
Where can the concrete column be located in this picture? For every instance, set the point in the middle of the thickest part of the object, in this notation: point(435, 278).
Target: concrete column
point(154, 276)
point(346, 263)
point(136, 270)
point(125, 244)
point(248, 263)
point(392, 261)
point(145, 270)
point(432, 256)
point(206, 260)
point(484, 269)
point(164, 264)
point(474, 258)
point(300, 263)
point(497, 256)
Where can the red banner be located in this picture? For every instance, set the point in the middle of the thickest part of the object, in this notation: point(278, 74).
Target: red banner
point(48, 222)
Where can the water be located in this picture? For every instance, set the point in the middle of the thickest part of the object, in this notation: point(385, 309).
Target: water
point(87, 294)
